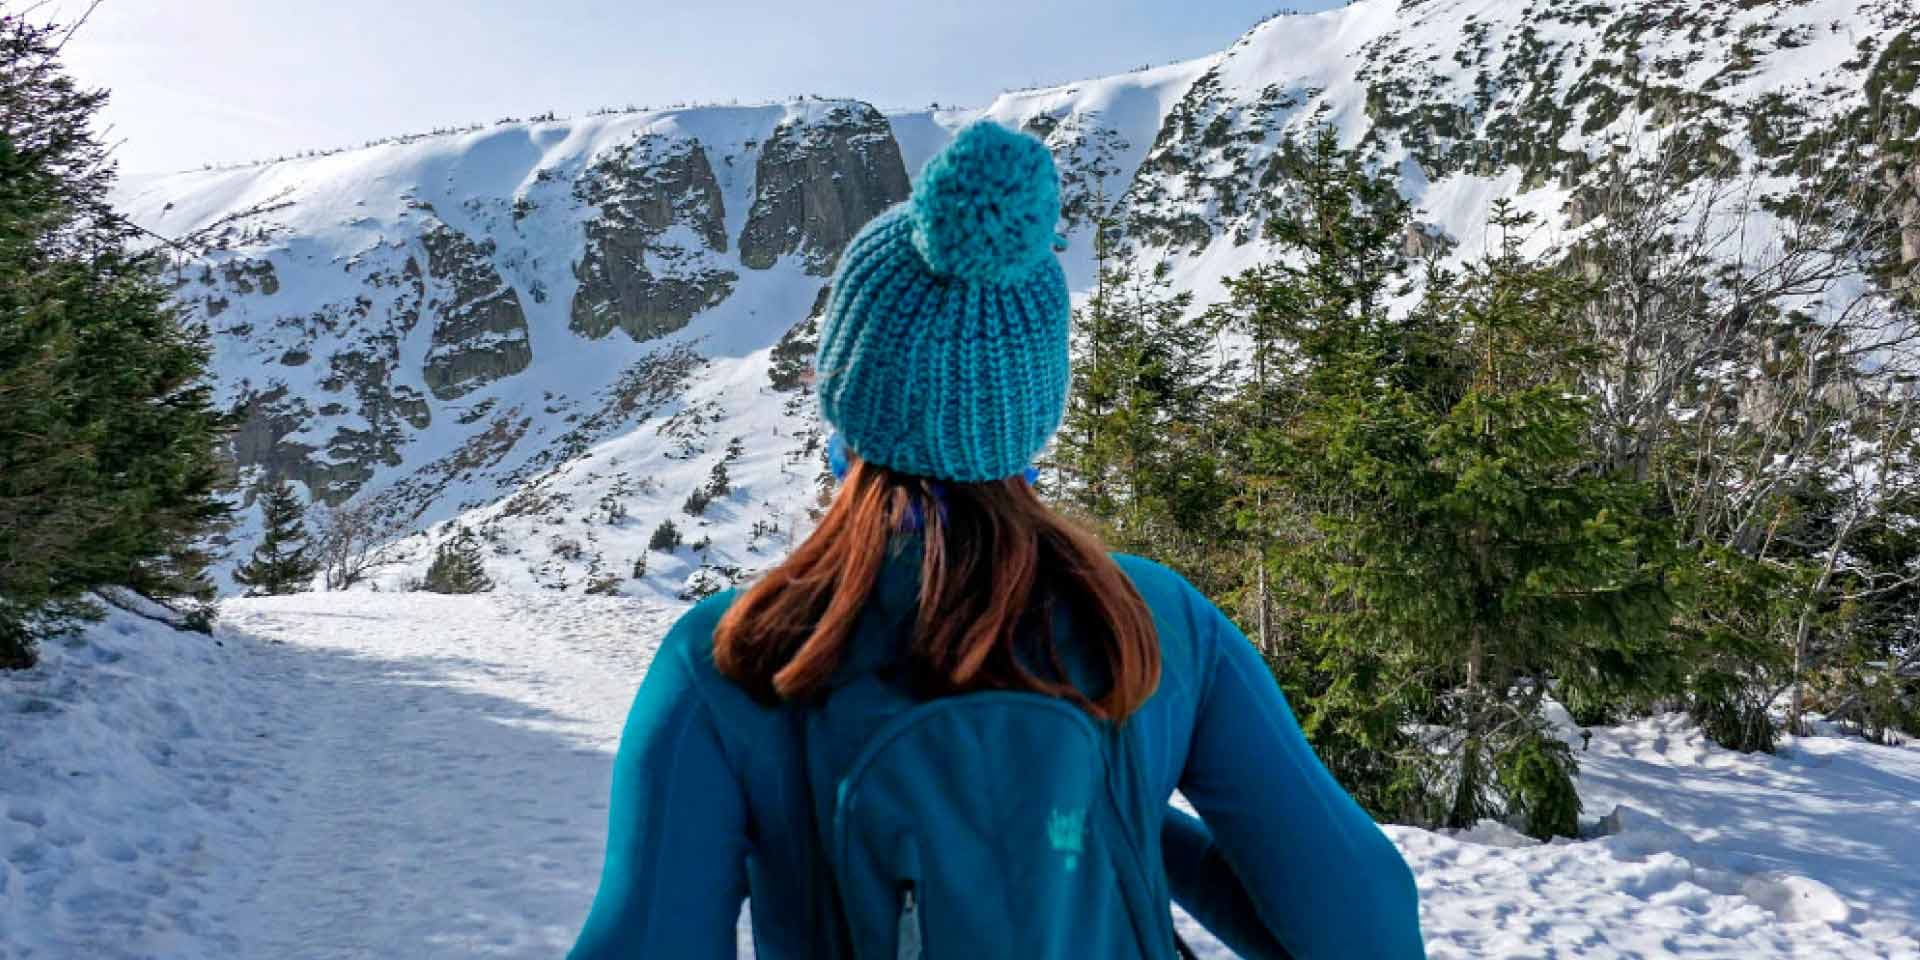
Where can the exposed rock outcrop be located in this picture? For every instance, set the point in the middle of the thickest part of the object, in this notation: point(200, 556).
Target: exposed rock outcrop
point(1423, 241)
point(1088, 153)
point(267, 421)
point(641, 274)
point(479, 328)
point(791, 365)
point(819, 181)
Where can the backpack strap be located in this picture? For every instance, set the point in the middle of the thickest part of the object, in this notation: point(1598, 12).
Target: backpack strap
point(826, 913)
point(1130, 755)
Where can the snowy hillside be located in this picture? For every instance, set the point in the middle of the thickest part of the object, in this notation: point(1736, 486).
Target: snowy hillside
point(552, 331)
point(170, 797)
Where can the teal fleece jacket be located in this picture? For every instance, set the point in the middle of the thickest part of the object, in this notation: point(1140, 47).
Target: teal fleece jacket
point(707, 810)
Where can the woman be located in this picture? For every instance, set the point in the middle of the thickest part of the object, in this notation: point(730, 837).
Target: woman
point(950, 723)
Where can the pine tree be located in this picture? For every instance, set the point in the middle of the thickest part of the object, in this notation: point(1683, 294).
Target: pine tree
point(697, 503)
point(459, 566)
point(666, 537)
point(1451, 552)
point(109, 442)
point(1138, 450)
point(286, 558)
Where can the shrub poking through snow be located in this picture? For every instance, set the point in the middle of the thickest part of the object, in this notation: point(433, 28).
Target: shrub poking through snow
point(666, 537)
point(696, 504)
point(458, 566)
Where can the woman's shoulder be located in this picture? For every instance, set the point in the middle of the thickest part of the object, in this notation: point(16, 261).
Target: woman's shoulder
point(1184, 617)
point(687, 651)
point(1167, 593)
point(689, 642)
point(1149, 574)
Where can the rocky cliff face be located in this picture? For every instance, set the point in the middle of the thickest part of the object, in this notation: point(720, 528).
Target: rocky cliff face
point(818, 183)
point(649, 265)
point(563, 333)
point(479, 329)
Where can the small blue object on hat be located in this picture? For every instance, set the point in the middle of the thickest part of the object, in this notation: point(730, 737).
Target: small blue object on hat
point(944, 349)
point(837, 457)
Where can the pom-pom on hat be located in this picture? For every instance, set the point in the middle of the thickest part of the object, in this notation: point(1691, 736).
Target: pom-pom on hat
point(944, 349)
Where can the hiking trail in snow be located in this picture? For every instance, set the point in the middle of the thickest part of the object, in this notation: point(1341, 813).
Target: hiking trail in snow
point(446, 770)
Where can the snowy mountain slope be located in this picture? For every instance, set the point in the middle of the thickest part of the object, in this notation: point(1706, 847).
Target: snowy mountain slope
point(552, 331)
point(170, 798)
point(448, 323)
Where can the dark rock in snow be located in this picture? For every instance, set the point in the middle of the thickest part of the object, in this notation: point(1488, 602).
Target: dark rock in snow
point(479, 330)
point(819, 182)
point(638, 276)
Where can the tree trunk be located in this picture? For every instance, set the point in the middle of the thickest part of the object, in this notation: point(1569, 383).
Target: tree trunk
point(1265, 644)
point(1804, 629)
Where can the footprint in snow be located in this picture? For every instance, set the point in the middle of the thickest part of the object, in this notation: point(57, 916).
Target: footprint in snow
point(28, 814)
point(119, 852)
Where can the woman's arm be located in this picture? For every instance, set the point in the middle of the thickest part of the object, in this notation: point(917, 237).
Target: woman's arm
point(1204, 885)
point(675, 872)
point(1314, 870)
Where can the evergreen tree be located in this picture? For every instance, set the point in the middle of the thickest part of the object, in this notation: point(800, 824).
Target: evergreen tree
point(666, 537)
point(109, 465)
point(286, 558)
point(1138, 451)
point(459, 566)
point(1451, 553)
point(697, 502)
point(1337, 229)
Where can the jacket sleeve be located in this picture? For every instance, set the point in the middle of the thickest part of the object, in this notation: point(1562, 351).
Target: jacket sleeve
point(1205, 886)
point(1291, 855)
point(675, 875)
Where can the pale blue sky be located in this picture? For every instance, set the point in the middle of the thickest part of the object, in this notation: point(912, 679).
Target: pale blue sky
point(198, 81)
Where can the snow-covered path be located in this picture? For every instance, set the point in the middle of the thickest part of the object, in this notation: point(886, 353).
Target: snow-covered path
point(445, 770)
point(408, 775)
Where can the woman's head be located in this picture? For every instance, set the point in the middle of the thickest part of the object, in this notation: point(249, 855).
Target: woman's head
point(943, 364)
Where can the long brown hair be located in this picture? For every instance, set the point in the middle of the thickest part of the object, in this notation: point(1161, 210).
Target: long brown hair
point(995, 564)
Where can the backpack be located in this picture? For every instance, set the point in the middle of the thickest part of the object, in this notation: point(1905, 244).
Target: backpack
point(987, 825)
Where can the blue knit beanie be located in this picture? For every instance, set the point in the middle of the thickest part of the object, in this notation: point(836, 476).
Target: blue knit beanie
point(944, 350)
